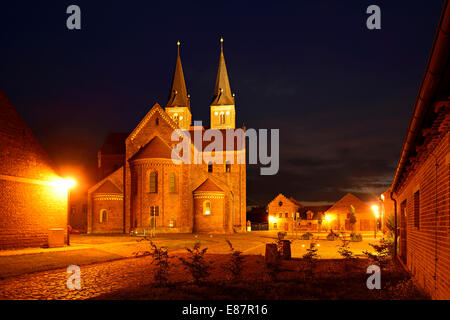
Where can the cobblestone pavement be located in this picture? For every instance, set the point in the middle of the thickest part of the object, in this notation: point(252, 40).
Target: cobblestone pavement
point(96, 279)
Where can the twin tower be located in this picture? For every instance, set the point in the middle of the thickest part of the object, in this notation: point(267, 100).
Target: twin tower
point(223, 112)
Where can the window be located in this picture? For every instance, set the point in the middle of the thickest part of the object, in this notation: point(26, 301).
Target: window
point(103, 216)
point(286, 215)
point(207, 207)
point(280, 215)
point(227, 167)
point(172, 183)
point(222, 118)
point(73, 209)
point(157, 121)
point(210, 167)
point(175, 117)
point(154, 211)
point(153, 182)
point(275, 226)
point(85, 208)
point(417, 209)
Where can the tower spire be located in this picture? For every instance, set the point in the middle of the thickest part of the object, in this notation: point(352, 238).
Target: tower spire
point(178, 96)
point(222, 90)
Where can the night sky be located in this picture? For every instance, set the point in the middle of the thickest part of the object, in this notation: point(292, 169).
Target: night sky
point(341, 94)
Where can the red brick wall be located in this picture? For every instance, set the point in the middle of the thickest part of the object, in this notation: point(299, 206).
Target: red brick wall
point(432, 239)
point(114, 223)
point(28, 205)
point(28, 211)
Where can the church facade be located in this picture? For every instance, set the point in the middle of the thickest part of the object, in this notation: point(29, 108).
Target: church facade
point(152, 191)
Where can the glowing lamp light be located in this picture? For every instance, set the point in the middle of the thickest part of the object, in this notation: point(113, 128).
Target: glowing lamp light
point(207, 212)
point(328, 218)
point(376, 210)
point(64, 184)
point(272, 219)
point(382, 197)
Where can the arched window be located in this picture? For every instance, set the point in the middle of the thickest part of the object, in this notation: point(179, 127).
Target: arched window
point(286, 215)
point(103, 216)
point(222, 118)
point(227, 166)
point(210, 167)
point(172, 183)
point(157, 121)
point(207, 207)
point(153, 182)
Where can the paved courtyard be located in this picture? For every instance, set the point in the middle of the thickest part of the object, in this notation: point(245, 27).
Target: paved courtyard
point(107, 262)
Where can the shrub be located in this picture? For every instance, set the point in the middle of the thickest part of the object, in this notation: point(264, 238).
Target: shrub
point(332, 236)
point(160, 259)
point(310, 257)
point(355, 237)
point(234, 266)
point(382, 253)
point(345, 252)
point(195, 263)
point(307, 236)
point(281, 235)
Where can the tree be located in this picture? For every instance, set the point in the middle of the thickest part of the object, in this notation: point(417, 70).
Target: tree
point(352, 218)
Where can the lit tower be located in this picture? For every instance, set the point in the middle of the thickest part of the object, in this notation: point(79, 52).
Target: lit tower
point(179, 105)
point(223, 112)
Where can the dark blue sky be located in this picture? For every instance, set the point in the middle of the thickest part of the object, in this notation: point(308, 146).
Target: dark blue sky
point(340, 94)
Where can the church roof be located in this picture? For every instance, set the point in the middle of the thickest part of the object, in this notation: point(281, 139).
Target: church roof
point(208, 185)
point(108, 187)
point(223, 134)
point(222, 90)
point(178, 96)
point(114, 143)
point(156, 148)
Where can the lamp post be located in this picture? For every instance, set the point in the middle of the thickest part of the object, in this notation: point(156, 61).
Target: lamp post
point(382, 212)
point(69, 183)
point(376, 213)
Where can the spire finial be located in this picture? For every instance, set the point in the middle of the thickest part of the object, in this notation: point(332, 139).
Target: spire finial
point(221, 43)
point(178, 47)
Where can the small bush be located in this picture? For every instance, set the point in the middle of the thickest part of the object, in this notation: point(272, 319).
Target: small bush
point(355, 237)
point(345, 252)
point(281, 235)
point(310, 257)
point(195, 263)
point(160, 259)
point(332, 236)
point(234, 266)
point(382, 253)
point(307, 236)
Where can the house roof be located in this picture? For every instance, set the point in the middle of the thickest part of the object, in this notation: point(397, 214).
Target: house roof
point(435, 88)
point(19, 147)
point(156, 148)
point(114, 143)
point(344, 203)
point(208, 185)
point(316, 210)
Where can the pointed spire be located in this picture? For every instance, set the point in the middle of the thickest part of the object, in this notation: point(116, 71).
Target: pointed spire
point(178, 94)
point(222, 90)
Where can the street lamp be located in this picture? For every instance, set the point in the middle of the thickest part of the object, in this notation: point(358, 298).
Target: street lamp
point(69, 184)
point(376, 212)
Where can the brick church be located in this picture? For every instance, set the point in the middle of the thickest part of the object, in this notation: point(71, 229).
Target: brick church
point(142, 190)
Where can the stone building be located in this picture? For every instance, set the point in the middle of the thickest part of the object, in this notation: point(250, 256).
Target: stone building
point(421, 185)
point(153, 191)
point(33, 198)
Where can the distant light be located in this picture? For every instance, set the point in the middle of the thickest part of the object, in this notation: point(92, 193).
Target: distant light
point(207, 212)
point(318, 244)
point(272, 219)
point(382, 197)
point(328, 218)
point(303, 245)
